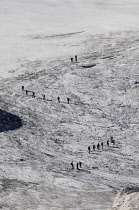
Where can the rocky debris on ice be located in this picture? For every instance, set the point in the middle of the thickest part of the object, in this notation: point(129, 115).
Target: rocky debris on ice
point(126, 199)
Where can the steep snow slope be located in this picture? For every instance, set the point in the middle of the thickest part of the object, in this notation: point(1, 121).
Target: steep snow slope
point(37, 40)
point(47, 29)
point(35, 160)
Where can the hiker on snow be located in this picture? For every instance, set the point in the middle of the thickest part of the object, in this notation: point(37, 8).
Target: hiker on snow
point(58, 98)
point(68, 100)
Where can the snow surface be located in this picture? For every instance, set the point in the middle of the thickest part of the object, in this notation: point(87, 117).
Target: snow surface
point(37, 40)
point(46, 29)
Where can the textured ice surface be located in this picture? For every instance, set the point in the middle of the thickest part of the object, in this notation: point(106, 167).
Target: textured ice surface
point(35, 159)
point(37, 41)
point(33, 30)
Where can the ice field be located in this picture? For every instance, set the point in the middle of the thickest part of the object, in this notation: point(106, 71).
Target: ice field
point(40, 138)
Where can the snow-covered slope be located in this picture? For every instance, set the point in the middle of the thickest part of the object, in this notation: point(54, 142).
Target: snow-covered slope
point(35, 159)
point(37, 40)
point(47, 29)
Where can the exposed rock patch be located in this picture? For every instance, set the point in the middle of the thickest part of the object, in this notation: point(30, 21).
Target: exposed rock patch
point(127, 199)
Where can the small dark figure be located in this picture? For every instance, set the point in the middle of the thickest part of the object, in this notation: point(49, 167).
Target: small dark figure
point(72, 165)
point(98, 146)
point(58, 98)
point(33, 94)
point(77, 166)
point(71, 60)
point(22, 88)
point(112, 140)
point(102, 145)
point(89, 149)
point(68, 100)
point(21, 159)
point(80, 164)
point(108, 143)
point(43, 97)
point(26, 92)
point(76, 58)
point(94, 147)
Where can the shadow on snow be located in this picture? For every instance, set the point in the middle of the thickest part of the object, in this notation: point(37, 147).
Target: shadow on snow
point(9, 121)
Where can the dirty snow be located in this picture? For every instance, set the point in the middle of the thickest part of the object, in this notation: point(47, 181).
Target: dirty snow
point(37, 41)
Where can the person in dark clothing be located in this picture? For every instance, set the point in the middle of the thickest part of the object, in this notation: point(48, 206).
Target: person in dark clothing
point(112, 140)
point(94, 147)
point(77, 166)
point(44, 97)
point(22, 88)
point(98, 146)
point(76, 58)
point(72, 165)
point(26, 92)
point(71, 60)
point(80, 164)
point(33, 94)
point(102, 145)
point(89, 149)
point(68, 100)
point(108, 143)
point(58, 98)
